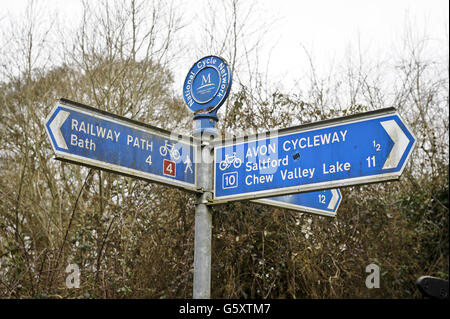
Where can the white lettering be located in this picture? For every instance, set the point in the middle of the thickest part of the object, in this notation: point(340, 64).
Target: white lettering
point(74, 124)
point(336, 168)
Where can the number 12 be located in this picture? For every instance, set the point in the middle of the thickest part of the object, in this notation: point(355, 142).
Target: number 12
point(322, 199)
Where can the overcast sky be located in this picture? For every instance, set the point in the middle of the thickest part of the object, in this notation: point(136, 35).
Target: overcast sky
point(329, 28)
point(326, 28)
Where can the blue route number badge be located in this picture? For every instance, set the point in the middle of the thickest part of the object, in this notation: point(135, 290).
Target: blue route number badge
point(207, 85)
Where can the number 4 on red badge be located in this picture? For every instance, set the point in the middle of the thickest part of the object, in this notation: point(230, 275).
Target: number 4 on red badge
point(169, 168)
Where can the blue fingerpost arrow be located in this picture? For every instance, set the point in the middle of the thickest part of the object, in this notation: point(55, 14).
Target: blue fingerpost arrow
point(325, 203)
point(360, 149)
point(91, 137)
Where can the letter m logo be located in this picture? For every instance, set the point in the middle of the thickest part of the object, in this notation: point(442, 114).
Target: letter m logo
point(206, 79)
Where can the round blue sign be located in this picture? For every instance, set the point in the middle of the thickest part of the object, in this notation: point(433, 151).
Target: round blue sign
point(207, 84)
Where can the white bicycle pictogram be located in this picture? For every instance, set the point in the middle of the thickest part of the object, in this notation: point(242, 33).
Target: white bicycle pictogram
point(169, 148)
point(229, 160)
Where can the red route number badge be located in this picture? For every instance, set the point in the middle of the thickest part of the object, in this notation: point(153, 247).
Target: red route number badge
point(169, 168)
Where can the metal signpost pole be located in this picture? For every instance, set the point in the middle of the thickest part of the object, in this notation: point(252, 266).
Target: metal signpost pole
point(202, 250)
point(206, 131)
point(205, 89)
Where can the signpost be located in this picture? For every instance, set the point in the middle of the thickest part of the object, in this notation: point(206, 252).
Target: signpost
point(325, 203)
point(297, 168)
point(205, 89)
point(359, 149)
point(87, 136)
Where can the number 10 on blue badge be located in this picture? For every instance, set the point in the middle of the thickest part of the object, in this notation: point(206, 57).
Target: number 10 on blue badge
point(230, 180)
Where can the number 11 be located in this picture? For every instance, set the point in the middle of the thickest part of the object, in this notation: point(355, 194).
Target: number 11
point(370, 160)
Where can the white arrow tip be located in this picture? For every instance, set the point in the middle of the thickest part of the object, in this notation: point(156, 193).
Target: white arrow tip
point(334, 199)
point(55, 128)
point(401, 141)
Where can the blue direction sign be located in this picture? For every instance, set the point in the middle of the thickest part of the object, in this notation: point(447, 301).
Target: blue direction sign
point(325, 203)
point(359, 149)
point(91, 137)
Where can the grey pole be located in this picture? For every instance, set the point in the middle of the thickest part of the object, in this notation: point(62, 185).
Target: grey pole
point(203, 217)
point(202, 251)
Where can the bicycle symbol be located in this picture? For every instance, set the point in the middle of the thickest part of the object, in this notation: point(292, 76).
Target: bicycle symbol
point(169, 148)
point(230, 159)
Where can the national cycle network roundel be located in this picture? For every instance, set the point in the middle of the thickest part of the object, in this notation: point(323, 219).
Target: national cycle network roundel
point(207, 84)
